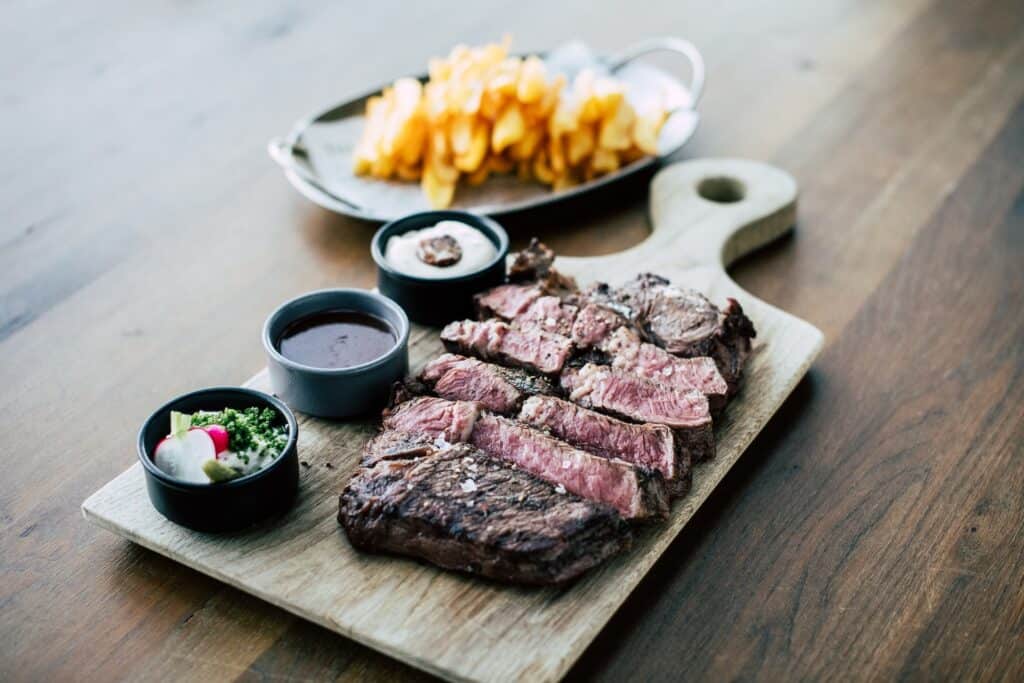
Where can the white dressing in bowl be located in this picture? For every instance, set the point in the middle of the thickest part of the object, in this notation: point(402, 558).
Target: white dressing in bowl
point(405, 252)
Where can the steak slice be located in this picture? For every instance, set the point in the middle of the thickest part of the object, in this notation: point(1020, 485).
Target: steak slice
point(434, 417)
point(541, 352)
point(462, 510)
point(495, 387)
point(549, 314)
point(629, 354)
point(594, 323)
point(636, 494)
point(635, 398)
point(646, 445)
point(506, 301)
point(684, 322)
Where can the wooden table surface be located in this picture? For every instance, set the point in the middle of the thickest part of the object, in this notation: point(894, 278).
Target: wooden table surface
point(874, 530)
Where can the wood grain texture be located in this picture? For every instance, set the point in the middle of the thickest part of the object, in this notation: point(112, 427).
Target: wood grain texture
point(463, 628)
point(137, 130)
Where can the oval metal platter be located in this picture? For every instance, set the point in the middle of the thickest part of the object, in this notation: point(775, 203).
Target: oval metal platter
point(316, 155)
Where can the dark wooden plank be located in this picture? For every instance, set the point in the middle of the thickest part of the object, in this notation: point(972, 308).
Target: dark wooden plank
point(880, 532)
point(140, 132)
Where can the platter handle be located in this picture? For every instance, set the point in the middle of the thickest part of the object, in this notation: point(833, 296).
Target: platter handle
point(283, 153)
point(679, 46)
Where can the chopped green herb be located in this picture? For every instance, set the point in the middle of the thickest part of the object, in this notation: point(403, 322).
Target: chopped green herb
point(248, 429)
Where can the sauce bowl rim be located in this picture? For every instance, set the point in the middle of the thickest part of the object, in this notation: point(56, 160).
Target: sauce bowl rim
point(271, 401)
point(478, 221)
point(401, 341)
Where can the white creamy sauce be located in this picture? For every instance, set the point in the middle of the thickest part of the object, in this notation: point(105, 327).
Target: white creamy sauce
point(477, 251)
point(258, 459)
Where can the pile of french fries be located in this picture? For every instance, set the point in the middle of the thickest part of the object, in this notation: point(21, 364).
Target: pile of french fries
point(482, 112)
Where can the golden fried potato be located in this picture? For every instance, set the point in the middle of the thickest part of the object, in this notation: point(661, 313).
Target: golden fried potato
point(482, 112)
point(509, 128)
point(472, 158)
point(617, 127)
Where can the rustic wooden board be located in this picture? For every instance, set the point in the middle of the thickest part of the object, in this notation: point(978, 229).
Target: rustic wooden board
point(463, 628)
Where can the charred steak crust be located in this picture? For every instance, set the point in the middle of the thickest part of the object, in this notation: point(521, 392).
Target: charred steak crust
point(462, 510)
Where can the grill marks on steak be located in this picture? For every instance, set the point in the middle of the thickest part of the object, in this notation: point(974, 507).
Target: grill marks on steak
point(635, 493)
point(635, 398)
point(650, 446)
point(494, 340)
point(496, 388)
point(506, 524)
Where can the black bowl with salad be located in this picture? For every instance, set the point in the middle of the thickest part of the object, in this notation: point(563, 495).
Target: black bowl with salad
point(220, 459)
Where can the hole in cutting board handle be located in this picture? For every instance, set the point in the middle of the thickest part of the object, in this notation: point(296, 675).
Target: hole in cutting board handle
point(721, 189)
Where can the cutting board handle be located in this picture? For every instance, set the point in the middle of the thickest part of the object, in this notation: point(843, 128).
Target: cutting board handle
point(714, 211)
point(705, 214)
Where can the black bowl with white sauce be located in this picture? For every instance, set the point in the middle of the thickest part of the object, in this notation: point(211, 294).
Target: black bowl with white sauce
point(432, 263)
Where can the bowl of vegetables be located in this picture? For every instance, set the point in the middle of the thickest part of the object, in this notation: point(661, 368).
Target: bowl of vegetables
point(220, 459)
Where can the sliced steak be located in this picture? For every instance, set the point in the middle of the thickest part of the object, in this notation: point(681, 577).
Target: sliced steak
point(506, 301)
point(594, 323)
point(433, 417)
point(684, 322)
point(549, 314)
point(646, 445)
point(636, 494)
point(541, 352)
point(495, 387)
point(633, 397)
point(627, 352)
point(462, 510)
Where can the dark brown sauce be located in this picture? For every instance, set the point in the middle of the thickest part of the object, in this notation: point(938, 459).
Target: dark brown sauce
point(336, 339)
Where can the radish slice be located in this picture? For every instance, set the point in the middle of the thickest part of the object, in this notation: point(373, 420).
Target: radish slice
point(219, 435)
point(182, 455)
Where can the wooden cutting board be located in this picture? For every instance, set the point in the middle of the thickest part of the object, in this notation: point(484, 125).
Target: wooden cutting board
point(705, 213)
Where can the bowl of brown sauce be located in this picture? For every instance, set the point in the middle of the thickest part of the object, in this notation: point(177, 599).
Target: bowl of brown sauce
point(336, 352)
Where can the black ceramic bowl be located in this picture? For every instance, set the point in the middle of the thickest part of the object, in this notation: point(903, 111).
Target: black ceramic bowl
point(230, 505)
point(431, 301)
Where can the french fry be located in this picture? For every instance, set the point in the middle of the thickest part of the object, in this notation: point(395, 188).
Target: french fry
point(533, 80)
point(580, 144)
point(509, 128)
point(616, 127)
point(471, 159)
point(482, 112)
